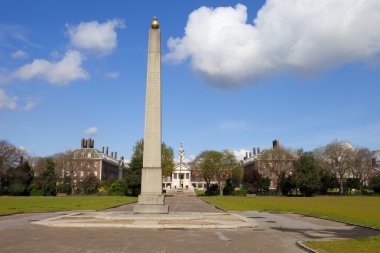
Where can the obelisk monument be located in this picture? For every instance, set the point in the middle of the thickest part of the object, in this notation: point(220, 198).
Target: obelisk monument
point(151, 199)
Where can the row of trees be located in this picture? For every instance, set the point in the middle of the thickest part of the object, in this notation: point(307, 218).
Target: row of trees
point(337, 165)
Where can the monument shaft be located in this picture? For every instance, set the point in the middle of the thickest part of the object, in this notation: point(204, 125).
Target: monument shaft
point(151, 199)
point(152, 134)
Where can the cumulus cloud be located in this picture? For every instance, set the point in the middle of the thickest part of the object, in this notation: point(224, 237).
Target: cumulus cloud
point(58, 73)
point(7, 102)
point(91, 131)
point(95, 36)
point(240, 153)
point(296, 36)
point(112, 75)
point(19, 54)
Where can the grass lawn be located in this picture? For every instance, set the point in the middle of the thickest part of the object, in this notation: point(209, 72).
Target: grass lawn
point(9, 205)
point(366, 245)
point(356, 210)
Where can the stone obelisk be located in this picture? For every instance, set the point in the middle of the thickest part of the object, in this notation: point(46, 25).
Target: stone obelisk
point(151, 199)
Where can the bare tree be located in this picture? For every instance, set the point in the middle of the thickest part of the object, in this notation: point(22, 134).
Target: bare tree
point(9, 159)
point(70, 165)
point(277, 161)
point(340, 158)
point(363, 167)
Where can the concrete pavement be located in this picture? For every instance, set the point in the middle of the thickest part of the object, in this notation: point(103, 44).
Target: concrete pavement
point(274, 233)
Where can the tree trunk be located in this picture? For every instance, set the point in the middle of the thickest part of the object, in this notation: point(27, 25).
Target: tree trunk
point(341, 186)
point(221, 189)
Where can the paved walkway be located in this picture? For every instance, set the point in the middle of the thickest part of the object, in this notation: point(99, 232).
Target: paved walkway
point(274, 233)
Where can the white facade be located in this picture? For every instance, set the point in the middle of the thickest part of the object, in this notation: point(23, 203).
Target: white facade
point(181, 177)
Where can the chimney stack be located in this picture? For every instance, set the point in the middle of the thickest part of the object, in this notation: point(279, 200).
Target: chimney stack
point(92, 142)
point(258, 151)
point(103, 150)
point(82, 143)
point(276, 144)
point(106, 151)
point(115, 155)
point(254, 151)
point(122, 158)
point(112, 154)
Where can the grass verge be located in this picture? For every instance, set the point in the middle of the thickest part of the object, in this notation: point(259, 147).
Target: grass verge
point(9, 205)
point(365, 245)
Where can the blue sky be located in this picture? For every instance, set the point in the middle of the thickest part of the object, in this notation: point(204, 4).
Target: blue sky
point(304, 72)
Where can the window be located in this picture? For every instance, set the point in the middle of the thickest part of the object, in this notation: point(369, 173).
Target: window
point(96, 173)
point(175, 175)
point(187, 175)
point(89, 155)
point(181, 176)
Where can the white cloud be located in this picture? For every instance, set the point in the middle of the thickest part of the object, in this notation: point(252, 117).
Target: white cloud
point(95, 36)
point(7, 102)
point(59, 73)
point(91, 131)
point(299, 36)
point(112, 75)
point(240, 153)
point(29, 105)
point(19, 54)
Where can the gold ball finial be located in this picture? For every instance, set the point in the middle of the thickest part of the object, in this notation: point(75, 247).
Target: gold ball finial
point(155, 23)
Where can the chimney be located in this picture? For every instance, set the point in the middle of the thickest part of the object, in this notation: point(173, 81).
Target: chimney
point(88, 143)
point(82, 142)
point(254, 151)
point(103, 150)
point(92, 142)
point(106, 151)
point(115, 155)
point(250, 154)
point(112, 154)
point(122, 158)
point(276, 144)
point(258, 151)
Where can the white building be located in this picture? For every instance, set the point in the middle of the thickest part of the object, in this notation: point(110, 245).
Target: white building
point(183, 177)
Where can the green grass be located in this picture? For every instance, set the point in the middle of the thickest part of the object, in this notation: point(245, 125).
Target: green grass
point(9, 205)
point(365, 245)
point(357, 210)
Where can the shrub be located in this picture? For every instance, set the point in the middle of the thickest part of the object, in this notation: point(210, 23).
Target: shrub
point(212, 190)
point(374, 184)
point(117, 189)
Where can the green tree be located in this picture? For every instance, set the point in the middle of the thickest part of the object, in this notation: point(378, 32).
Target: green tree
point(132, 178)
point(306, 174)
point(208, 163)
point(49, 179)
point(352, 183)
point(89, 185)
point(219, 166)
point(20, 179)
point(167, 160)
point(374, 183)
point(328, 181)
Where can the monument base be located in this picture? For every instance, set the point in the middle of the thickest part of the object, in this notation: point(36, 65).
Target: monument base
point(150, 204)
